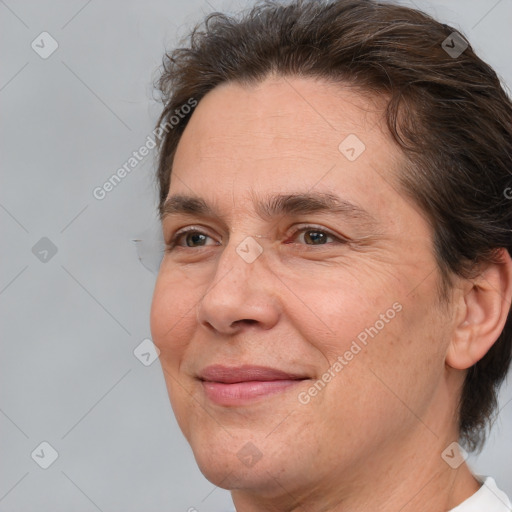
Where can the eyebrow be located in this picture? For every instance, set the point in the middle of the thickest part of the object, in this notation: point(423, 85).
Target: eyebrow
point(272, 206)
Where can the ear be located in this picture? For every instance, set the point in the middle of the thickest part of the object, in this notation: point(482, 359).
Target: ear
point(483, 309)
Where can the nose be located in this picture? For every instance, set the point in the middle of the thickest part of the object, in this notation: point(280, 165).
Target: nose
point(242, 293)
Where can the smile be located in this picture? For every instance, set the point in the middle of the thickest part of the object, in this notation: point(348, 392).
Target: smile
point(244, 384)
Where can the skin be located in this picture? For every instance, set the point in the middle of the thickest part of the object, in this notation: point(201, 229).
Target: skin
point(372, 438)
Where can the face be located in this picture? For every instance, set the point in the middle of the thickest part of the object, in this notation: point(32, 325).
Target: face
point(339, 305)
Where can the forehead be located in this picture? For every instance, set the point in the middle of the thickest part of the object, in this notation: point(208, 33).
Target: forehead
point(285, 134)
point(283, 111)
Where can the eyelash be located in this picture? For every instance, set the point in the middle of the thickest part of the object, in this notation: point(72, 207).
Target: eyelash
point(173, 243)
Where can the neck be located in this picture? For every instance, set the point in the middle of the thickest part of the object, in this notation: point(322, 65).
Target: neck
point(408, 475)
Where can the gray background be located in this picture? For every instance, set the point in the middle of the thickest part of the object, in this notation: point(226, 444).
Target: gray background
point(70, 323)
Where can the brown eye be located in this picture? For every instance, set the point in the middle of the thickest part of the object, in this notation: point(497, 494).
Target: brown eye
point(315, 236)
point(192, 238)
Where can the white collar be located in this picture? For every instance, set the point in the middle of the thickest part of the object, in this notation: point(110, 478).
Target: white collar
point(488, 498)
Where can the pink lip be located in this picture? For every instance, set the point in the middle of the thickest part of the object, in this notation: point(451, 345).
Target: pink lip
point(239, 385)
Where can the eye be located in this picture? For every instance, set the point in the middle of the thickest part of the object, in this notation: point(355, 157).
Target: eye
point(317, 236)
point(191, 236)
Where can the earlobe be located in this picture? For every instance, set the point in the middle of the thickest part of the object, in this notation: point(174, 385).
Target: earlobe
point(485, 305)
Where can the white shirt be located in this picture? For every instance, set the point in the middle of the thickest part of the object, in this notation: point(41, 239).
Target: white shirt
point(487, 499)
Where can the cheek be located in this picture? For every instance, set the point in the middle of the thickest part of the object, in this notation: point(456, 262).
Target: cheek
point(172, 315)
point(371, 320)
point(172, 321)
point(405, 362)
point(342, 305)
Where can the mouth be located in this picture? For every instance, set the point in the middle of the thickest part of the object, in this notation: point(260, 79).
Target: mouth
point(231, 386)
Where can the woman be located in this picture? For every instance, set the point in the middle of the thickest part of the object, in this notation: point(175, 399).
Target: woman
point(336, 338)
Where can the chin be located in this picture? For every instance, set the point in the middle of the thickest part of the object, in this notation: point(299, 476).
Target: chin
point(223, 469)
point(234, 462)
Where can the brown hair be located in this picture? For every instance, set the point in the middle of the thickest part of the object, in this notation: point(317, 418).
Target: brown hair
point(449, 114)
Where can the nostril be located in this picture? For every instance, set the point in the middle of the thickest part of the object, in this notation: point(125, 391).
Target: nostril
point(247, 321)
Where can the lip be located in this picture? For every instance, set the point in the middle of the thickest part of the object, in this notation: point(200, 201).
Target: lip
point(245, 373)
point(240, 385)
